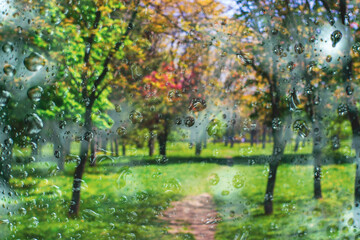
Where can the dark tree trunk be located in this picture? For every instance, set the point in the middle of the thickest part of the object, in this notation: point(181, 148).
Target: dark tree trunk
point(231, 142)
point(116, 147)
point(151, 145)
point(162, 139)
point(252, 135)
point(35, 148)
point(279, 143)
point(112, 147)
point(270, 136)
point(198, 148)
point(278, 152)
point(39, 147)
point(67, 148)
point(205, 142)
point(104, 143)
point(79, 170)
point(5, 163)
point(317, 154)
point(58, 151)
point(92, 153)
point(264, 137)
point(123, 149)
point(355, 126)
point(268, 203)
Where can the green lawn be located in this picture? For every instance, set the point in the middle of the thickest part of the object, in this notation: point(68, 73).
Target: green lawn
point(124, 202)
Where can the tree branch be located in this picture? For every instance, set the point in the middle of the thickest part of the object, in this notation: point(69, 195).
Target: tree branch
point(115, 49)
point(88, 48)
point(326, 6)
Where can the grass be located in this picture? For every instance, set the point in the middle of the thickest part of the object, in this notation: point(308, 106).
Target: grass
point(122, 201)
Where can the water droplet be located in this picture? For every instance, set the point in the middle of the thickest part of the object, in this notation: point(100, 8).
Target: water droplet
point(121, 131)
point(178, 121)
point(4, 98)
point(34, 124)
point(274, 31)
point(342, 109)
point(62, 124)
point(135, 117)
point(278, 50)
point(214, 179)
point(189, 121)
point(88, 136)
point(238, 181)
point(7, 129)
point(335, 141)
point(299, 48)
point(276, 123)
point(9, 70)
point(312, 39)
point(301, 128)
point(8, 47)
point(328, 58)
point(34, 62)
point(293, 101)
point(213, 127)
point(34, 93)
point(356, 47)
point(197, 104)
point(336, 37)
point(317, 100)
point(57, 154)
point(349, 90)
point(117, 108)
point(310, 67)
point(225, 192)
point(291, 66)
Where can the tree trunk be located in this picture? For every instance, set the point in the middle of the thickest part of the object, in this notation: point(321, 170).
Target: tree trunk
point(151, 144)
point(116, 147)
point(79, 170)
point(252, 135)
point(205, 142)
point(5, 163)
point(353, 116)
point(317, 154)
point(112, 147)
point(198, 148)
point(35, 149)
point(124, 149)
point(268, 203)
point(162, 139)
point(231, 142)
point(104, 144)
point(264, 137)
point(92, 153)
point(58, 151)
point(67, 148)
point(355, 125)
point(277, 154)
point(279, 143)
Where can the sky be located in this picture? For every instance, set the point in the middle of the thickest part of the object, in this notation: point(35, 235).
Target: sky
point(230, 4)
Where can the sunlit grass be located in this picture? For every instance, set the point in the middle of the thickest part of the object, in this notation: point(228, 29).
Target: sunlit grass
point(123, 201)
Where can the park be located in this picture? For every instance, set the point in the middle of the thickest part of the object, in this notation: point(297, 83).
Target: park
point(189, 119)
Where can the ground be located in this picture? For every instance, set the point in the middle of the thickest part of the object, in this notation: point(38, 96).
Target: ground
point(123, 198)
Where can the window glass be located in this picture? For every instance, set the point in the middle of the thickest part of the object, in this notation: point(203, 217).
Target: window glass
point(188, 119)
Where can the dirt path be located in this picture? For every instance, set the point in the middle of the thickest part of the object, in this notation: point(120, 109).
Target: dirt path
point(195, 215)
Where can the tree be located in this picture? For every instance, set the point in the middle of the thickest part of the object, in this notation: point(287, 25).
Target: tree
point(86, 40)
